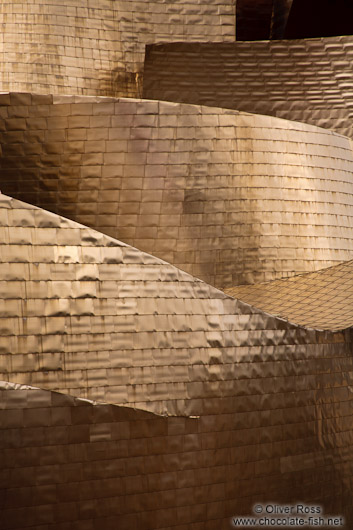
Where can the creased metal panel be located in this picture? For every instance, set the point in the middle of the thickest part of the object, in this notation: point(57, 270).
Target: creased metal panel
point(86, 315)
point(321, 300)
point(284, 432)
point(69, 463)
point(305, 80)
point(96, 47)
point(229, 197)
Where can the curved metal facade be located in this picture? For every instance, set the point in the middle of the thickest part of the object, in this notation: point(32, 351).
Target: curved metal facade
point(320, 300)
point(132, 394)
point(96, 47)
point(229, 197)
point(304, 80)
point(88, 316)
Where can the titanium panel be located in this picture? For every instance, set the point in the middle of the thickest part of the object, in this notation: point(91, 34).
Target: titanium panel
point(320, 300)
point(96, 47)
point(71, 463)
point(229, 197)
point(307, 80)
point(86, 315)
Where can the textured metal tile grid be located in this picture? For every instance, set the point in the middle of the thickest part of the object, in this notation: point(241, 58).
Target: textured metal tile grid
point(88, 316)
point(229, 197)
point(96, 47)
point(305, 80)
point(321, 300)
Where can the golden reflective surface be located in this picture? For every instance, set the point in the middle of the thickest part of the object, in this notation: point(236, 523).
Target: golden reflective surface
point(307, 80)
point(321, 300)
point(229, 197)
point(132, 393)
point(97, 47)
point(86, 315)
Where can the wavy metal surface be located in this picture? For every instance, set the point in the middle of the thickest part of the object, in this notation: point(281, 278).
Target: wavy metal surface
point(229, 197)
point(91, 317)
point(96, 47)
point(320, 300)
point(264, 404)
point(81, 315)
point(304, 80)
point(70, 463)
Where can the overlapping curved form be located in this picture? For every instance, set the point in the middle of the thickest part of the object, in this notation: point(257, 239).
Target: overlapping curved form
point(96, 47)
point(229, 197)
point(307, 80)
point(321, 300)
point(91, 317)
point(132, 394)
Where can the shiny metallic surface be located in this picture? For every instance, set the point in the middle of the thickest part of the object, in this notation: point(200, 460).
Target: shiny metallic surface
point(229, 197)
point(321, 300)
point(96, 47)
point(307, 80)
point(133, 395)
point(88, 316)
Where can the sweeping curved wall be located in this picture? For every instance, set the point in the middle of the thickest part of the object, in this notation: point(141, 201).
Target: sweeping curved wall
point(96, 47)
point(132, 394)
point(308, 80)
point(86, 315)
point(229, 197)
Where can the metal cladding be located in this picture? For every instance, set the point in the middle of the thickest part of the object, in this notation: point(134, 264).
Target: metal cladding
point(134, 395)
point(229, 197)
point(305, 80)
point(321, 300)
point(88, 316)
point(97, 47)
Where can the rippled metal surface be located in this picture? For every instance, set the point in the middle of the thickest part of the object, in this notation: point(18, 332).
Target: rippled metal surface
point(97, 47)
point(321, 300)
point(308, 80)
point(229, 197)
point(88, 316)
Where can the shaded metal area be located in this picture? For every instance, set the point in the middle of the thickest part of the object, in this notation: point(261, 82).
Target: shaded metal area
point(229, 197)
point(304, 80)
point(97, 47)
point(86, 315)
point(280, 14)
point(262, 19)
point(253, 19)
point(69, 462)
point(321, 300)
